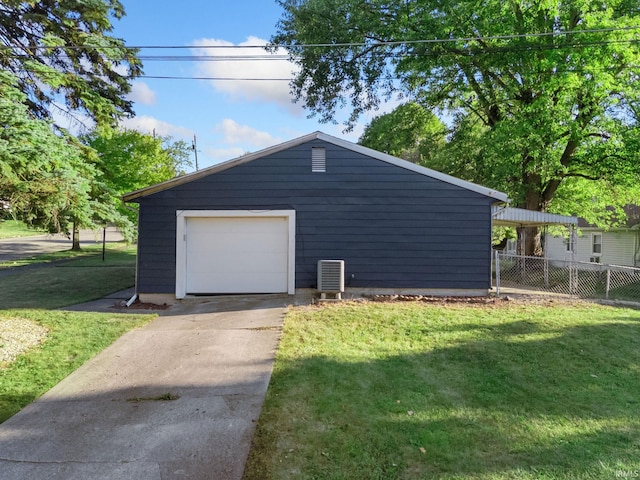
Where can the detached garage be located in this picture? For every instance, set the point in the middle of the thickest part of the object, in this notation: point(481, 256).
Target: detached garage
point(261, 223)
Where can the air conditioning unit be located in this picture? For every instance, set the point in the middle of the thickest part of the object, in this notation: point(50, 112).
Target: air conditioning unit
point(331, 277)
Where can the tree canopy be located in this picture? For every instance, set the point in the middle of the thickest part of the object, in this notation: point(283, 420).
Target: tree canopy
point(410, 132)
point(43, 176)
point(129, 160)
point(64, 59)
point(59, 183)
point(543, 95)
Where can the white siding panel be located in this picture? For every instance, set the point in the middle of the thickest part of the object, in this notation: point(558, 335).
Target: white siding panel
point(618, 248)
point(556, 248)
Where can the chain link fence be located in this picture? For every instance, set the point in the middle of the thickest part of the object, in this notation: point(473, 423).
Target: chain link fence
point(582, 279)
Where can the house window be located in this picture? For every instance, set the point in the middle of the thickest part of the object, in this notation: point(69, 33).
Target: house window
point(568, 244)
point(318, 159)
point(596, 244)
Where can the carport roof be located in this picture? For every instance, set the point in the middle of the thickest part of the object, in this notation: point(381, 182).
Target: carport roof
point(520, 217)
point(498, 196)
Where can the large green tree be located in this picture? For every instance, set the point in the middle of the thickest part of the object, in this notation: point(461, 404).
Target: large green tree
point(410, 132)
point(129, 160)
point(64, 58)
point(43, 176)
point(546, 91)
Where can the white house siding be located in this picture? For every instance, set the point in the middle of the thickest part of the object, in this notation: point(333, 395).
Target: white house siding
point(618, 247)
point(556, 248)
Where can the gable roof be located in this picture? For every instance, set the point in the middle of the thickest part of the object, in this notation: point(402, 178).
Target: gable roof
point(174, 182)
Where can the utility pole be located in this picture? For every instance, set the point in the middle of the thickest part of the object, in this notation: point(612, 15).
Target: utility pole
point(195, 150)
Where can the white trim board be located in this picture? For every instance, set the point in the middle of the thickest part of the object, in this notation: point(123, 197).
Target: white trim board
point(181, 244)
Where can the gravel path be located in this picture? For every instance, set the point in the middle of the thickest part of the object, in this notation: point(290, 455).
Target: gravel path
point(18, 335)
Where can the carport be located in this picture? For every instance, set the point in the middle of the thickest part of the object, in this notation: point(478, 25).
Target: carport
point(519, 217)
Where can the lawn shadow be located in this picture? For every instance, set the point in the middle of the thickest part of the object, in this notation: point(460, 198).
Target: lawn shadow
point(519, 402)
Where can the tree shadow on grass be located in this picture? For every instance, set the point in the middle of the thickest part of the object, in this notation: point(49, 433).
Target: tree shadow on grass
point(517, 402)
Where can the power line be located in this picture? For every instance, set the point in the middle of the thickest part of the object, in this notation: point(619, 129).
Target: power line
point(232, 79)
point(556, 71)
point(340, 45)
point(468, 51)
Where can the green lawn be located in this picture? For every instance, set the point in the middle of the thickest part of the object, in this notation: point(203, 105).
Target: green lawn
point(15, 229)
point(72, 339)
point(29, 294)
point(418, 391)
point(77, 280)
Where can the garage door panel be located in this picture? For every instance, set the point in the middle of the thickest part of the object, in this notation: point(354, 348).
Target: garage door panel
point(242, 283)
point(237, 255)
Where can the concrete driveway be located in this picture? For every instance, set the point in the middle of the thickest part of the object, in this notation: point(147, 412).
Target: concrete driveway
point(178, 398)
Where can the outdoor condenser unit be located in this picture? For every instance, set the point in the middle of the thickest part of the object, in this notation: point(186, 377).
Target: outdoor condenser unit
point(331, 277)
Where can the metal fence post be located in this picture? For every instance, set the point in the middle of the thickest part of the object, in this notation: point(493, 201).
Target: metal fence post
point(497, 272)
point(608, 284)
point(546, 273)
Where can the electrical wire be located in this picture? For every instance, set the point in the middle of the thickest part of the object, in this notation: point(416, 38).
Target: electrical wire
point(416, 52)
point(347, 44)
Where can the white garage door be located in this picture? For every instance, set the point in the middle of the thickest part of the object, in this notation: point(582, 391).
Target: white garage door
point(236, 255)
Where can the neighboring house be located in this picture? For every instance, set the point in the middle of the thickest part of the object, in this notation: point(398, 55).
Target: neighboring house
point(261, 223)
point(615, 246)
point(505, 216)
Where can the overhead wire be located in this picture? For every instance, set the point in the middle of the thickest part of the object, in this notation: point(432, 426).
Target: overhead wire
point(348, 44)
point(467, 50)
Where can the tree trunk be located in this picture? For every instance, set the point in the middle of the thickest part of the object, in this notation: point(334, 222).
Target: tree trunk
point(529, 241)
point(75, 236)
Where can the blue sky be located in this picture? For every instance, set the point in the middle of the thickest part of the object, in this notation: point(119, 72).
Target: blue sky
point(228, 118)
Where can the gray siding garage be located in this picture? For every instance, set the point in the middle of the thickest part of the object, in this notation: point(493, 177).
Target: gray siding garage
point(260, 223)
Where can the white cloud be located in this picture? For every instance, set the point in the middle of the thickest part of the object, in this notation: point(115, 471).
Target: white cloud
point(249, 63)
point(234, 134)
point(141, 93)
point(222, 154)
point(148, 124)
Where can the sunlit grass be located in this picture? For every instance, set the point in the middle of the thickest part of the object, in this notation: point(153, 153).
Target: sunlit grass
point(72, 339)
point(28, 293)
point(409, 391)
point(77, 280)
point(90, 250)
point(16, 229)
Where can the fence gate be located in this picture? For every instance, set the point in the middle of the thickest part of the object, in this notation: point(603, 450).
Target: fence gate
point(582, 279)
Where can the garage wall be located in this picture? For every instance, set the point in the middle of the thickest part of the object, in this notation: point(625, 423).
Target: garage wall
point(394, 228)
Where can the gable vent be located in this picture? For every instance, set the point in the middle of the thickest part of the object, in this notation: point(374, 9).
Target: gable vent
point(318, 159)
point(331, 277)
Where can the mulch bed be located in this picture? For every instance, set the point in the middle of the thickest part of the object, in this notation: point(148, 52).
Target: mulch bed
point(138, 305)
point(488, 300)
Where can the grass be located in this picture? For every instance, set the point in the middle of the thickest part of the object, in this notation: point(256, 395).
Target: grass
point(91, 250)
point(416, 391)
point(74, 281)
point(73, 338)
point(16, 229)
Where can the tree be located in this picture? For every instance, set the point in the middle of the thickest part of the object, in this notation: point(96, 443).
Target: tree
point(544, 93)
point(409, 132)
point(64, 59)
point(43, 175)
point(129, 160)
